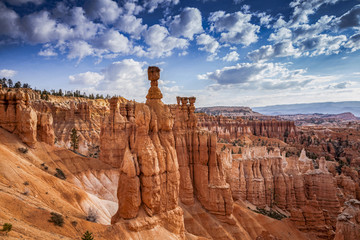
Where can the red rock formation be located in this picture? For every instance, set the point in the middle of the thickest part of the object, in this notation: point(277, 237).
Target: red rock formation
point(18, 116)
point(142, 144)
point(268, 179)
point(230, 128)
point(348, 222)
point(202, 171)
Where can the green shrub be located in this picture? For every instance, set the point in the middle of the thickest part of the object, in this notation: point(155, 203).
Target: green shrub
point(57, 219)
point(87, 236)
point(60, 174)
point(6, 227)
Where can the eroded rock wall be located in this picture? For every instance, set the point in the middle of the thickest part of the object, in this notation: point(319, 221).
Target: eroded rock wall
point(233, 128)
point(18, 116)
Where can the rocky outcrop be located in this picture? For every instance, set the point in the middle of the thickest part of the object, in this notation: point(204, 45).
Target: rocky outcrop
point(233, 128)
point(83, 115)
point(202, 170)
point(18, 116)
point(269, 179)
point(138, 138)
point(348, 222)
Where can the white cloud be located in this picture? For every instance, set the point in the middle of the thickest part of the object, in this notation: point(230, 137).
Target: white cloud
point(8, 22)
point(153, 4)
point(161, 43)
point(302, 9)
point(234, 27)
point(187, 23)
point(105, 10)
point(87, 78)
point(209, 43)
point(353, 43)
point(231, 57)
point(127, 78)
point(342, 85)
point(282, 49)
point(40, 28)
point(47, 51)
point(20, 2)
point(80, 49)
point(113, 41)
point(7, 73)
point(322, 44)
point(265, 19)
point(132, 8)
point(258, 76)
point(131, 24)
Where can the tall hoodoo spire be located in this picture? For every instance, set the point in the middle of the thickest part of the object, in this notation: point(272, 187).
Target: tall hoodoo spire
point(153, 76)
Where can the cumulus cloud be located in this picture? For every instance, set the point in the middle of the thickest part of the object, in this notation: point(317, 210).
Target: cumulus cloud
point(87, 78)
point(151, 5)
point(353, 43)
point(131, 24)
point(187, 23)
point(114, 41)
point(161, 43)
point(231, 57)
point(302, 9)
point(105, 10)
point(7, 73)
point(350, 18)
point(265, 19)
point(322, 44)
point(258, 75)
point(126, 77)
point(47, 51)
point(234, 27)
point(282, 49)
point(9, 25)
point(209, 44)
point(80, 49)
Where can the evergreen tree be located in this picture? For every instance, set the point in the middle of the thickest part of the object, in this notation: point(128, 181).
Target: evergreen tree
point(74, 139)
point(10, 83)
point(87, 236)
point(17, 84)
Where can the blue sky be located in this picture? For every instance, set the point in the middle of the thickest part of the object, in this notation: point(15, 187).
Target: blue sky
point(224, 52)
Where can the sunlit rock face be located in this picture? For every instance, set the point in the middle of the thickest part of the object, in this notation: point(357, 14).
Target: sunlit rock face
point(138, 139)
point(230, 128)
point(202, 171)
point(17, 115)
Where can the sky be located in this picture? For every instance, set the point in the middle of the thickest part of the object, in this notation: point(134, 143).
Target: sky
point(224, 52)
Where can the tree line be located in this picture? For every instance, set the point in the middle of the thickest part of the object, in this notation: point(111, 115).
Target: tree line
point(8, 83)
point(44, 94)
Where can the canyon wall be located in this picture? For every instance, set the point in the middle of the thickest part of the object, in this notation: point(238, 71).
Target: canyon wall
point(233, 128)
point(18, 116)
point(202, 174)
point(269, 179)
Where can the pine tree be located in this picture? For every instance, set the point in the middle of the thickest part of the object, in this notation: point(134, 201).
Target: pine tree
point(87, 236)
point(17, 84)
point(74, 139)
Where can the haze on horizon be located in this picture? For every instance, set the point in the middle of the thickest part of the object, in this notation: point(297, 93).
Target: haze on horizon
point(228, 53)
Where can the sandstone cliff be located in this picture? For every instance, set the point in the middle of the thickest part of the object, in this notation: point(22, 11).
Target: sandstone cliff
point(18, 116)
point(233, 128)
